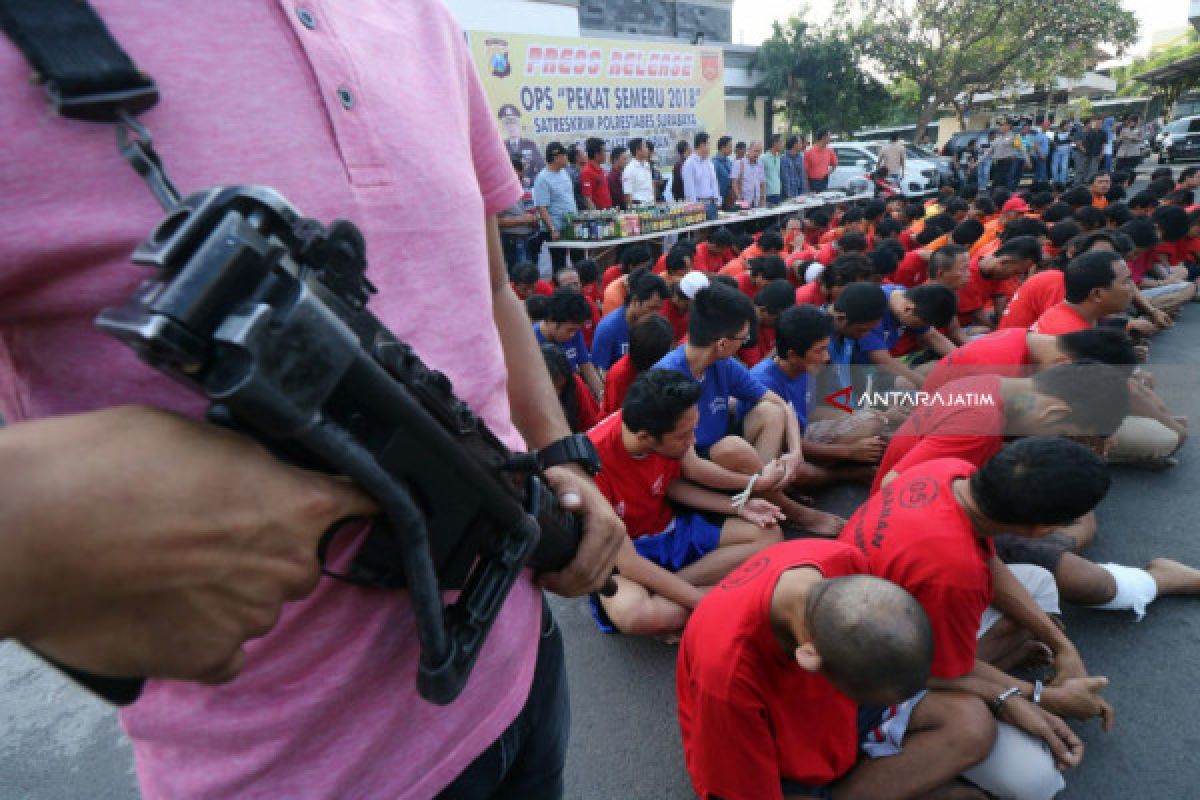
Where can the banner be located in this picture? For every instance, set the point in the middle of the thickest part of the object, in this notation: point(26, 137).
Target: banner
point(546, 89)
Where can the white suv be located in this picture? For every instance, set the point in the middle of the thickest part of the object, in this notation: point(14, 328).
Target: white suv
point(857, 160)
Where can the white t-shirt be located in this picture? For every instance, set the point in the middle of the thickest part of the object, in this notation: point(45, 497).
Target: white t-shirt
point(637, 181)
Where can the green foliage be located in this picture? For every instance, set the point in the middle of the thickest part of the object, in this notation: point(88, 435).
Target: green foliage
point(815, 79)
point(953, 47)
point(1127, 86)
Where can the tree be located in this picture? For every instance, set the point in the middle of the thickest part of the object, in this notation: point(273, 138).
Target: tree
point(1129, 86)
point(953, 48)
point(814, 78)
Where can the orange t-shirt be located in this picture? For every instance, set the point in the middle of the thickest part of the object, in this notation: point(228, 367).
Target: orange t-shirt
point(1099, 201)
point(615, 294)
point(735, 267)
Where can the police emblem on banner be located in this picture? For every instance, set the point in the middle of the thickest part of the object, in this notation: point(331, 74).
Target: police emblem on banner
point(498, 60)
point(710, 66)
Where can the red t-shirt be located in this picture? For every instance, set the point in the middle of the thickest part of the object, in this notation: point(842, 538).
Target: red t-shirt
point(1059, 319)
point(954, 424)
point(1004, 353)
point(906, 238)
point(826, 254)
point(589, 328)
point(1038, 293)
point(635, 487)
point(760, 349)
point(915, 534)
point(812, 294)
point(708, 261)
point(589, 409)
point(805, 255)
point(819, 162)
point(913, 269)
point(980, 291)
point(617, 381)
point(750, 716)
point(541, 287)
point(677, 318)
point(593, 184)
point(747, 285)
point(1140, 264)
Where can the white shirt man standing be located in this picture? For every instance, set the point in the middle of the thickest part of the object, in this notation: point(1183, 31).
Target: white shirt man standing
point(892, 156)
point(637, 180)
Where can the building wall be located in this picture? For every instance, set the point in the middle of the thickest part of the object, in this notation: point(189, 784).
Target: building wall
point(553, 18)
point(740, 125)
point(674, 18)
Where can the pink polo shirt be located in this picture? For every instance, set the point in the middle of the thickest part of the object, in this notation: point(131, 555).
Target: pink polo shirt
point(327, 705)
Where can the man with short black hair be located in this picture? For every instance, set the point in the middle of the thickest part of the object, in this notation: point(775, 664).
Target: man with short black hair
point(994, 280)
point(772, 169)
point(893, 156)
point(674, 553)
point(795, 662)
point(637, 179)
point(712, 255)
point(554, 198)
point(1098, 284)
point(720, 322)
point(700, 178)
point(772, 298)
point(820, 161)
point(566, 313)
point(791, 167)
point(930, 530)
point(724, 169)
point(592, 180)
point(646, 295)
point(1092, 149)
point(617, 160)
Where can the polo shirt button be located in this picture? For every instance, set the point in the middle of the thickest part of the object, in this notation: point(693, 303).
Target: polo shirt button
point(306, 18)
point(346, 98)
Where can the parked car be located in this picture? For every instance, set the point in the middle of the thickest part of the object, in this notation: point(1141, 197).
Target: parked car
point(1180, 141)
point(856, 161)
point(947, 172)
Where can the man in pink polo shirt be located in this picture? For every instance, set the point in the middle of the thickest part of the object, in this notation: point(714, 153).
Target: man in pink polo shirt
point(333, 107)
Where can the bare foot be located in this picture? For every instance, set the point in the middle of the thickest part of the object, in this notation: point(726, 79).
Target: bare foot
point(1173, 577)
point(821, 523)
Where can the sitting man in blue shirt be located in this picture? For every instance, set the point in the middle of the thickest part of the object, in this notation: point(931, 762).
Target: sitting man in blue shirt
point(647, 293)
point(719, 324)
point(802, 350)
point(566, 311)
point(892, 311)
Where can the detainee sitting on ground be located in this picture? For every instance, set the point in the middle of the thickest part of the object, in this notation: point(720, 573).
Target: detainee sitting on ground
point(801, 351)
point(719, 324)
point(931, 530)
point(789, 682)
point(684, 537)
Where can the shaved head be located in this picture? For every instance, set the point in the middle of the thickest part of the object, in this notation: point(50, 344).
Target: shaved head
point(873, 638)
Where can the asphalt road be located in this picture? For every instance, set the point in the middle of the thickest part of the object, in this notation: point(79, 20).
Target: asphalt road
point(60, 744)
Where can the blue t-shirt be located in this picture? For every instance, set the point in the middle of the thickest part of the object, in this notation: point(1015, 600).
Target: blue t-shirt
point(845, 353)
point(796, 392)
point(574, 349)
point(889, 330)
point(556, 192)
point(611, 340)
point(725, 379)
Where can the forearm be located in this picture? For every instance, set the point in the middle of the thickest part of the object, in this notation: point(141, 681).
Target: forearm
point(984, 681)
point(591, 376)
point(709, 474)
point(937, 342)
point(696, 497)
point(544, 215)
point(535, 410)
point(656, 579)
point(19, 515)
point(885, 361)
